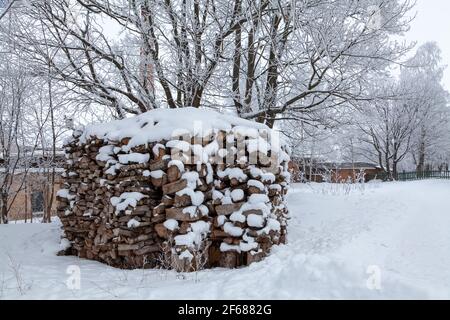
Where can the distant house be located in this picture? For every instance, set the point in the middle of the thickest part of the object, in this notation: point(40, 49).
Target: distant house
point(30, 191)
point(334, 172)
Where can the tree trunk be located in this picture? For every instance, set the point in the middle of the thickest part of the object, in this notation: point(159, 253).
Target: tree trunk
point(4, 208)
point(394, 170)
point(388, 166)
point(51, 187)
point(26, 202)
point(237, 62)
point(421, 156)
point(380, 161)
point(270, 92)
point(251, 61)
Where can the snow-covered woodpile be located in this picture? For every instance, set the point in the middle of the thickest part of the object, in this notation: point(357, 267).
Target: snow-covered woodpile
point(184, 189)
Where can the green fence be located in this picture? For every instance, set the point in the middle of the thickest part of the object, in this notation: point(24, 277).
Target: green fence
point(415, 175)
point(408, 176)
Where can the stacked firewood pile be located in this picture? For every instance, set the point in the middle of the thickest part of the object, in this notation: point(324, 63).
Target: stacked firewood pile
point(141, 198)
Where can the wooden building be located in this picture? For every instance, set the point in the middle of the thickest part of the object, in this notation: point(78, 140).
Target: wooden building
point(334, 172)
point(31, 191)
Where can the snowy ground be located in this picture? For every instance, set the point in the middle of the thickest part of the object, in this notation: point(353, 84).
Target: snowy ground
point(342, 244)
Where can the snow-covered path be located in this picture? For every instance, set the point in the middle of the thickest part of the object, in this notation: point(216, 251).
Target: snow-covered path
point(335, 235)
point(402, 228)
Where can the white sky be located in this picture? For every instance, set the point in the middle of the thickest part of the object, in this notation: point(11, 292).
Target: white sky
point(432, 23)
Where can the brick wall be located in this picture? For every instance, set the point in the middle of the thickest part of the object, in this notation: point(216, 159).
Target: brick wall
point(22, 194)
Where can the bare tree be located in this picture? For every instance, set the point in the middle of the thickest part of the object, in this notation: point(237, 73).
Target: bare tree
point(120, 78)
point(425, 78)
point(267, 60)
point(387, 128)
point(5, 9)
point(304, 56)
point(413, 119)
point(27, 107)
point(12, 99)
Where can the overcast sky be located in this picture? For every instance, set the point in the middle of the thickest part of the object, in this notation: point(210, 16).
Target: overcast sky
point(433, 24)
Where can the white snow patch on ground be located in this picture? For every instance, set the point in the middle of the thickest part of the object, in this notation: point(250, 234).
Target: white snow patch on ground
point(334, 237)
